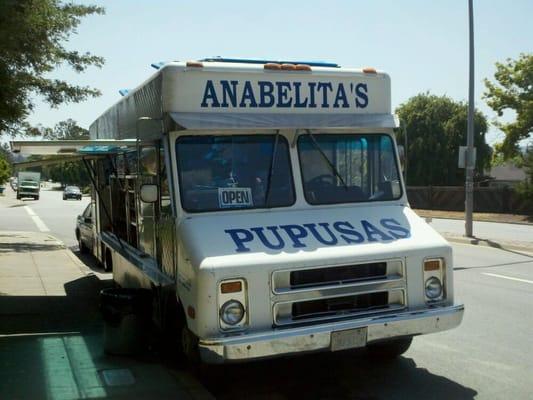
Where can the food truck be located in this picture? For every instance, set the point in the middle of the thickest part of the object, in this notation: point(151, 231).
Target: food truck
point(263, 204)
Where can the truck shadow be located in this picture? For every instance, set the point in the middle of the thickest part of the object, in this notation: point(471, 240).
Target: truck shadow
point(78, 310)
point(330, 376)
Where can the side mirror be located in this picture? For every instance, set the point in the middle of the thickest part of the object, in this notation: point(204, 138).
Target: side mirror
point(149, 193)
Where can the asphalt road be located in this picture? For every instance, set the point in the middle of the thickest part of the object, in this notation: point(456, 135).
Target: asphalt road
point(490, 356)
point(48, 214)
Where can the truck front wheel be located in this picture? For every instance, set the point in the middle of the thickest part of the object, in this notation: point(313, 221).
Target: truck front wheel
point(390, 349)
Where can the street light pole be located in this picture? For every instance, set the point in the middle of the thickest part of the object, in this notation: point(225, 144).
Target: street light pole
point(470, 163)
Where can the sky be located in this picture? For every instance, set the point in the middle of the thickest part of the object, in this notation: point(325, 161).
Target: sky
point(422, 45)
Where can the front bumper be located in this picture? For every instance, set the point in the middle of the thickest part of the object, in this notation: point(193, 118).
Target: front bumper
point(316, 338)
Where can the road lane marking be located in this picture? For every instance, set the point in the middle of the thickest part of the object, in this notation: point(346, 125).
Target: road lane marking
point(38, 221)
point(507, 277)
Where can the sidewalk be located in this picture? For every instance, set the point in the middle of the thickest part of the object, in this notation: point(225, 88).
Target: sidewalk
point(51, 344)
point(506, 236)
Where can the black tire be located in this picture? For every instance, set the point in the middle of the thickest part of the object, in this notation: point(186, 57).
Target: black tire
point(18, 197)
point(389, 350)
point(36, 197)
point(81, 245)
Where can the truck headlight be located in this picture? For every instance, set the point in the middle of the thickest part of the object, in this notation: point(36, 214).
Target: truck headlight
point(433, 288)
point(232, 312)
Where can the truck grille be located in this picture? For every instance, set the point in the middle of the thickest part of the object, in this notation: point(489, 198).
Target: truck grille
point(322, 293)
point(337, 275)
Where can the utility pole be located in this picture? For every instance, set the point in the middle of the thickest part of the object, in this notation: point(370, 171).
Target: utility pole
point(470, 158)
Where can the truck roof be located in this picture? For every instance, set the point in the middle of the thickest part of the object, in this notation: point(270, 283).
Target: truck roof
point(220, 93)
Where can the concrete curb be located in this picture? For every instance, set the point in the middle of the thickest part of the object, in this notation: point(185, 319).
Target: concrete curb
point(475, 220)
point(509, 246)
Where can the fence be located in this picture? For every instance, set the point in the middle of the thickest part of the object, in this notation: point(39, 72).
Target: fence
point(452, 198)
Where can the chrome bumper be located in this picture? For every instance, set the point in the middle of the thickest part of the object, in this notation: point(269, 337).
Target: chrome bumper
point(318, 337)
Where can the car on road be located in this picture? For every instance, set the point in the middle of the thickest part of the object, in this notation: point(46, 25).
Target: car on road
point(72, 192)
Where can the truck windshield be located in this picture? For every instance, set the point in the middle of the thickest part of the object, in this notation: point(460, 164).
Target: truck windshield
point(347, 168)
point(29, 183)
point(234, 172)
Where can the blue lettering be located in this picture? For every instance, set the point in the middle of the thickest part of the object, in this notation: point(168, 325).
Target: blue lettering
point(248, 94)
point(239, 237)
point(341, 97)
point(283, 94)
point(333, 239)
point(312, 86)
point(266, 98)
point(229, 91)
point(361, 99)
point(274, 229)
point(324, 86)
point(395, 228)
point(297, 101)
point(210, 94)
point(295, 232)
point(371, 230)
point(349, 234)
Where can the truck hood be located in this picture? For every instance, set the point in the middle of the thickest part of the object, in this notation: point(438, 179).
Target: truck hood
point(293, 238)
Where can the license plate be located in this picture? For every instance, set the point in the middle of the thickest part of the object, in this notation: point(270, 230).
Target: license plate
point(348, 339)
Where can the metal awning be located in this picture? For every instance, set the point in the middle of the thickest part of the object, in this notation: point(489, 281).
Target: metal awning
point(71, 148)
point(206, 120)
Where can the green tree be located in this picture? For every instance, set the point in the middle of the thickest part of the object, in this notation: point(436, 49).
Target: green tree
point(33, 34)
point(436, 126)
point(74, 172)
point(513, 91)
point(5, 170)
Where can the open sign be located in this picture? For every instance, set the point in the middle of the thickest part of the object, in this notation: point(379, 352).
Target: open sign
point(235, 197)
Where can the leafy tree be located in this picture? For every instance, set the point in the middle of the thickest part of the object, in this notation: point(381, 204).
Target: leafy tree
point(5, 170)
point(513, 91)
point(63, 130)
point(436, 126)
point(65, 172)
point(33, 34)
point(74, 172)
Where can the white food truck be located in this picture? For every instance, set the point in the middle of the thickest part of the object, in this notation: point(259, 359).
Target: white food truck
point(263, 204)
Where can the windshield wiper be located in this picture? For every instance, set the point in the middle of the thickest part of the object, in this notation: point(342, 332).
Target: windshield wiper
point(325, 157)
point(271, 171)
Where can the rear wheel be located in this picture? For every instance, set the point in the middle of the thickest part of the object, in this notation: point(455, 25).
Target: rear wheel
point(36, 197)
point(390, 349)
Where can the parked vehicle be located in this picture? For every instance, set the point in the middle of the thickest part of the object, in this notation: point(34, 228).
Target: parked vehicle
point(86, 229)
point(72, 192)
point(263, 205)
point(28, 184)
